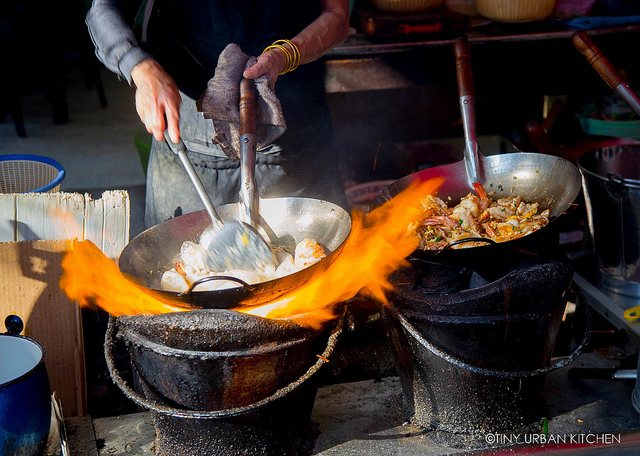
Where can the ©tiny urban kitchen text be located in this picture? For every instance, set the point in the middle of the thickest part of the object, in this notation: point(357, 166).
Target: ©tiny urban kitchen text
point(546, 439)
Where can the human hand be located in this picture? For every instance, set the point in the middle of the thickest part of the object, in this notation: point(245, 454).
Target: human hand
point(157, 99)
point(270, 63)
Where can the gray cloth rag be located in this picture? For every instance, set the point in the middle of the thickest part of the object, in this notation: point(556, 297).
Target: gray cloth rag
point(220, 103)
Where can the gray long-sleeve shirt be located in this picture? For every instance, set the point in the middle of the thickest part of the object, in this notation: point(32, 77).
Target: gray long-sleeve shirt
point(186, 37)
point(115, 42)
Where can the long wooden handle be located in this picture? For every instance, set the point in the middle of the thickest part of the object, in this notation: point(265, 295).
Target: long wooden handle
point(462, 50)
point(248, 107)
point(583, 43)
point(606, 70)
point(248, 143)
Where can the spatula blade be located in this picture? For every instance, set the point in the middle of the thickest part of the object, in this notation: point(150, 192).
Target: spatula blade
point(236, 245)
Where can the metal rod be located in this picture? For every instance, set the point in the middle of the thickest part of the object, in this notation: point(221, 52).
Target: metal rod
point(466, 91)
point(472, 160)
point(629, 96)
point(181, 151)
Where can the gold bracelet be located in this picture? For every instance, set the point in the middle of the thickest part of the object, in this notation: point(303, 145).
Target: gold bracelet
point(286, 53)
point(296, 53)
point(292, 61)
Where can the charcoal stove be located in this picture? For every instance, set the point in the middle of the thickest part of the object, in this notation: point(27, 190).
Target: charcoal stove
point(473, 343)
point(219, 382)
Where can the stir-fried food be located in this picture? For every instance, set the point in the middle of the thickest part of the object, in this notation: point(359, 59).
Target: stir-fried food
point(477, 216)
point(191, 267)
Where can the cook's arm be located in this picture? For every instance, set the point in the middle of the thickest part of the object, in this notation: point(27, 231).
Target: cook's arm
point(157, 96)
point(327, 31)
point(116, 44)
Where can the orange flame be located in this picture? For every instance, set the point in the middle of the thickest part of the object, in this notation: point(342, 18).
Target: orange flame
point(378, 244)
point(90, 277)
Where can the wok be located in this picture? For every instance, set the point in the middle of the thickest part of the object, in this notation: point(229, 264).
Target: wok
point(551, 181)
point(288, 221)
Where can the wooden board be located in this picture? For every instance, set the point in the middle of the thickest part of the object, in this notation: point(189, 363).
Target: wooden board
point(32, 216)
point(34, 233)
point(29, 288)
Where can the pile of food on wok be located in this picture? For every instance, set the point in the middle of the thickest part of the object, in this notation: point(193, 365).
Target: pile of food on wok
point(191, 266)
point(477, 216)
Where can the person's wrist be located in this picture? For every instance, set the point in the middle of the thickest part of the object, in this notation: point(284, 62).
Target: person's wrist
point(142, 69)
point(289, 50)
point(129, 60)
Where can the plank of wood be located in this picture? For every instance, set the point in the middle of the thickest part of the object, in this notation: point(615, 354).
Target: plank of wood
point(49, 216)
point(34, 235)
point(33, 216)
point(107, 222)
point(30, 275)
point(8, 217)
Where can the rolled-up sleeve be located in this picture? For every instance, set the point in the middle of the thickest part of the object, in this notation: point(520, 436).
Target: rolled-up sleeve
point(115, 42)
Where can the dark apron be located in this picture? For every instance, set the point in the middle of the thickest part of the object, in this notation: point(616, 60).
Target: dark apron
point(301, 162)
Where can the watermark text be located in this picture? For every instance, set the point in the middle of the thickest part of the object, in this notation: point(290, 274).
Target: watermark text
point(552, 439)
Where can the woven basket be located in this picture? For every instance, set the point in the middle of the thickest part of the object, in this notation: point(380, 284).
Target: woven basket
point(467, 7)
point(515, 10)
point(29, 173)
point(406, 6)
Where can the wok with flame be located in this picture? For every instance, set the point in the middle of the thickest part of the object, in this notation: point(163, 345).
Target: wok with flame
point(290, 219)
point(377, 244)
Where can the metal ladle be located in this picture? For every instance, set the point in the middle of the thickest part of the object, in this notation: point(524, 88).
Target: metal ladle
point(229, 244)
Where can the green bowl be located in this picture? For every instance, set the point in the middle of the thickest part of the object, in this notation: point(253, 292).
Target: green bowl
point(599, 127)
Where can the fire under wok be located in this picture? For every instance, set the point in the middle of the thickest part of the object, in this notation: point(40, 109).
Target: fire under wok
point(288, 221)
point(548, 180)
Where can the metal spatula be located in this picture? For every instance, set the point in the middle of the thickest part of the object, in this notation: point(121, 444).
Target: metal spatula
point(229, 244)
